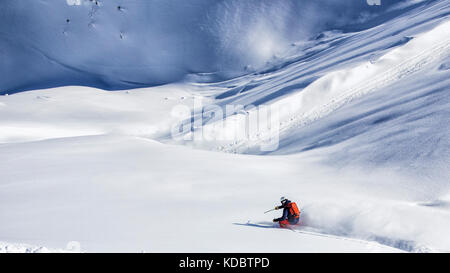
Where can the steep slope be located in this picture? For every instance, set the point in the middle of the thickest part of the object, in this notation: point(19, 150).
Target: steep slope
point(375, 97)
point(113, 44)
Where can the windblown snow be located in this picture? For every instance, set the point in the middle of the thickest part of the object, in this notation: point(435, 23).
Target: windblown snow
point(358, 132)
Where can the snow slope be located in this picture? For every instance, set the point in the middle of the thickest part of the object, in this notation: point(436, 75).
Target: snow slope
point(112, 193)
point(56, 112)
point(385, 89)
point(117, 192)
point(116, 44)
point(364, 142)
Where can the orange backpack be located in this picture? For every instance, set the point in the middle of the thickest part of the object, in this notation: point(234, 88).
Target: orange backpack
point(293, 209)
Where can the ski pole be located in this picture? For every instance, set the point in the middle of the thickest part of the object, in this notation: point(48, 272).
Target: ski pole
point(269, 210)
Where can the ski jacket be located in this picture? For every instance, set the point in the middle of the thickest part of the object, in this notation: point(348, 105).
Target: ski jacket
point(290, 212)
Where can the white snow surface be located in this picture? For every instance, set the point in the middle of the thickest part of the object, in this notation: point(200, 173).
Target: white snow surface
point(25, 248)
point(364, 150)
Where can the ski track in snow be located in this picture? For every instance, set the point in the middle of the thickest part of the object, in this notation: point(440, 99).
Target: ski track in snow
point(371, 241)
point(403, 245)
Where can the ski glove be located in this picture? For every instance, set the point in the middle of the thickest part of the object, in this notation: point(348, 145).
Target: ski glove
point(275, 220)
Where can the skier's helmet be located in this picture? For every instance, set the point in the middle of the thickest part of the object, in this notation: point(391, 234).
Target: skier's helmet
point(283, 199)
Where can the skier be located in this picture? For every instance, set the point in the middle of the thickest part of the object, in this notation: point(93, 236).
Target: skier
point(291, 213)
